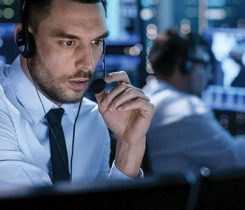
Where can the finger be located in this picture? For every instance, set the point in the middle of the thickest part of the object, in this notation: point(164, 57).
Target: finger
point(138, 103)
point(100, 96)
point(113, 93)
point(120, 76)
point(129, 94)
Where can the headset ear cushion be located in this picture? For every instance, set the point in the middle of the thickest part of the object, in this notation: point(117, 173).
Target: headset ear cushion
point(31, 46)
point(187, 67)
point(26, 44)
point(21, 42)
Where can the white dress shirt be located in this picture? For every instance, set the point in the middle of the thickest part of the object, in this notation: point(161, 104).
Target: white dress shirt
point(24, 142)
point(184, 135)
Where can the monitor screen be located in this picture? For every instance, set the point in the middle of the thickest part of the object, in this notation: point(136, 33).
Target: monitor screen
point(123, 22)
point(8, 49)
point(228, 89)
point(228, 46)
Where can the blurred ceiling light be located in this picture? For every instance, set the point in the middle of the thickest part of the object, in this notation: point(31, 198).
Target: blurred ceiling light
point(7, 2)
point(216, 14)
point(147, 13)
point(151, 31)
point(185, 26)
point(135, 50)
point(149, 68)
point(8, 13)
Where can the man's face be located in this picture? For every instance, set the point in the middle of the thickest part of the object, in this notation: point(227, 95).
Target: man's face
point(201, 73)
point(69, 43)
point(198, 79)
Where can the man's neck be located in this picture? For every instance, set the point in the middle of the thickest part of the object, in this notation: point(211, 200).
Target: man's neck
point(23, 64)
point(177, 80)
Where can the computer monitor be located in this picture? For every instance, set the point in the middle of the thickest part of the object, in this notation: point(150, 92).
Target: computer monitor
point(165, 192)
point(228, 46)
point(226, 95)
point(221, 190)
point(8, 49)
point(123, 22)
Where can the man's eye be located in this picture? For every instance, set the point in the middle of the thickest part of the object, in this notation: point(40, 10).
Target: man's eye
point(68, 43)
point(97, 42)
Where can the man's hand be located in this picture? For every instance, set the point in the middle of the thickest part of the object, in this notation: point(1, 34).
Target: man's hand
point(127, 113)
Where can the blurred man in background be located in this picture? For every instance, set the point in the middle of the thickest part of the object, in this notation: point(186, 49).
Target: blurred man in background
point(184, 135)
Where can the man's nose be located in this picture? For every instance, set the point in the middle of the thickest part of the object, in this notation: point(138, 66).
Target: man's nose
point(85, 58)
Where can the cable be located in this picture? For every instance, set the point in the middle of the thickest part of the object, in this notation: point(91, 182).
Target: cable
point(74, 127)
point(74, 133)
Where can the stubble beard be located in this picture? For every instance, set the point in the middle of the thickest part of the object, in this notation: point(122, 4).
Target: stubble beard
point(54, 88)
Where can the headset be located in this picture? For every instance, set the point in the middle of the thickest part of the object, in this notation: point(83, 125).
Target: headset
point(25, 40)
point(172, 46)
point(98, 85)
point(26, 45)
point(192, 41)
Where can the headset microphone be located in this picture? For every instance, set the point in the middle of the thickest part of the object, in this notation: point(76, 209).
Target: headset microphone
point(98, 85)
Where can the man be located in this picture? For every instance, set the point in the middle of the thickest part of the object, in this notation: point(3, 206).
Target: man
point(184, 134)
point(68, 37)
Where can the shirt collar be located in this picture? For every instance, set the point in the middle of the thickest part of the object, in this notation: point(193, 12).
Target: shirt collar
point(27, 95)
point(159, 85)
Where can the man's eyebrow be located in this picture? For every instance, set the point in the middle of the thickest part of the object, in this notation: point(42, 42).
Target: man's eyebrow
point(62, 34)
point(104, 35)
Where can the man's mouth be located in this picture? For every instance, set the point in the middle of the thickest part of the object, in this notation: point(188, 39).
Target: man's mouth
point(78, 84)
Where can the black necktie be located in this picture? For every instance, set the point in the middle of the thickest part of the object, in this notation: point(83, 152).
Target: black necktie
point(59, 159)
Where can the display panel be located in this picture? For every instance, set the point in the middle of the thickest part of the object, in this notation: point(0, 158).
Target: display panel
point(228, 46)
point(228, 89)
point(123, 22)
point(8, 49)
point(226, 96)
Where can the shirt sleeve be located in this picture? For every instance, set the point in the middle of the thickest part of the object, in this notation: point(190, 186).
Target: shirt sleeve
point(191, 143)
point(116, 174)
point(112, 173)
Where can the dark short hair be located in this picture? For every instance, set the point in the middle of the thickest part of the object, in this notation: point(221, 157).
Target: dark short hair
point(171, 46)
point(37, 10)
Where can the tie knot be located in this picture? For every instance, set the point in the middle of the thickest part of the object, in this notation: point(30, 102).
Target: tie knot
point(54, 116)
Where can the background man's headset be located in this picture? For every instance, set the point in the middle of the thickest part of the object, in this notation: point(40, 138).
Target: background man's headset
point(193, 42)
point(26, 44)
point(164, 54)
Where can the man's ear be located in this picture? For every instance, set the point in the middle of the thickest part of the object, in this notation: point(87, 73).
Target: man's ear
point(18, 28)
